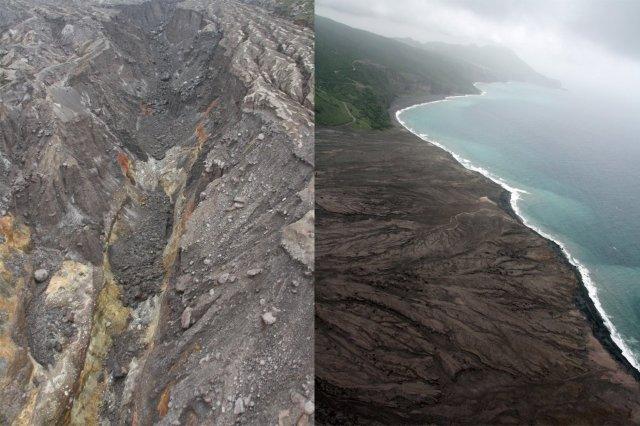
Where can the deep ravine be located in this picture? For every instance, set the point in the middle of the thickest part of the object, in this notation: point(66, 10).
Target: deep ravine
point(156, 165)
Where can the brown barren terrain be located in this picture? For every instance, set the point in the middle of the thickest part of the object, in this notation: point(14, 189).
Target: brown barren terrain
point(435, 304)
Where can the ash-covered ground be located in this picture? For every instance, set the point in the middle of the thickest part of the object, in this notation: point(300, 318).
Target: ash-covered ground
point(156, 200)
point(436, 305)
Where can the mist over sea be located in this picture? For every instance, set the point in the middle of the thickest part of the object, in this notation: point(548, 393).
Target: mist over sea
point(574, 159)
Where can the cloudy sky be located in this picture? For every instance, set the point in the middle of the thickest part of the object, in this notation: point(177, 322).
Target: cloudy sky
point(593, 43)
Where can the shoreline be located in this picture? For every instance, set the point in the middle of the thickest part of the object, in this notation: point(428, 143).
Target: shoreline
point(586, 296)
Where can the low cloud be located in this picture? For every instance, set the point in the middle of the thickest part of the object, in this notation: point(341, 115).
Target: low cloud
point(591, 43)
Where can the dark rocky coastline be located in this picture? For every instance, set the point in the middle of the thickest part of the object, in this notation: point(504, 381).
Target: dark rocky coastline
point(436, 304)
point(582, 299)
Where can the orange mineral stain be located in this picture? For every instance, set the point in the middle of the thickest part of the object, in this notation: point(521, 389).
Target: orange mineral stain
point(163, 403)
point(125, 165)
point(201, 134)
point(145, 109)
point(214, 104)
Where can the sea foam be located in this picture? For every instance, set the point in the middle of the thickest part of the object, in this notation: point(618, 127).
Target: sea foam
point(516, 195)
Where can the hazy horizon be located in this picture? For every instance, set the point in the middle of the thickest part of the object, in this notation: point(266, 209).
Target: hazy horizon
point(586, 44)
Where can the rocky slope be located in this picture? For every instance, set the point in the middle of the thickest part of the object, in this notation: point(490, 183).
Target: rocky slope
point(156, 244)
point(434, 305)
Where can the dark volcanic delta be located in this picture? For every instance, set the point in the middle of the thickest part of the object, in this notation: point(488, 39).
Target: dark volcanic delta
point(436, 305)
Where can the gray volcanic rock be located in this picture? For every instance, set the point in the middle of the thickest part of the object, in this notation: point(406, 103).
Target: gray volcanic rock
point(434, 305)
point(41, 275)
point(115, 116)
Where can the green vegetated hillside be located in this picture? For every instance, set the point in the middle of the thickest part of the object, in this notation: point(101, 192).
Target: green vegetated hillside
point(358, 73)
point(300, 11)
point(499, 62)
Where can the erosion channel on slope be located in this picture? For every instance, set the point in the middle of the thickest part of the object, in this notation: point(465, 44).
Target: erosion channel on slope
point(157, 201)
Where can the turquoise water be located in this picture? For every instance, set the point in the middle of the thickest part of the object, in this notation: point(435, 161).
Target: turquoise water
point(573, 164)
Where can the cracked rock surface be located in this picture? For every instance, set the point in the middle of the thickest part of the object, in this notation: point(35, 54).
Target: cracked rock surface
point(152, 154)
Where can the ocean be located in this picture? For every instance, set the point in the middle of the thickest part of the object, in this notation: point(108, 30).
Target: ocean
point(572, 163)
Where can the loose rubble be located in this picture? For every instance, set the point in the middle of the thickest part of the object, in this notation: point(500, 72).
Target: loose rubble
point(168, 141)
point(41, 275)
point(268, 318)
